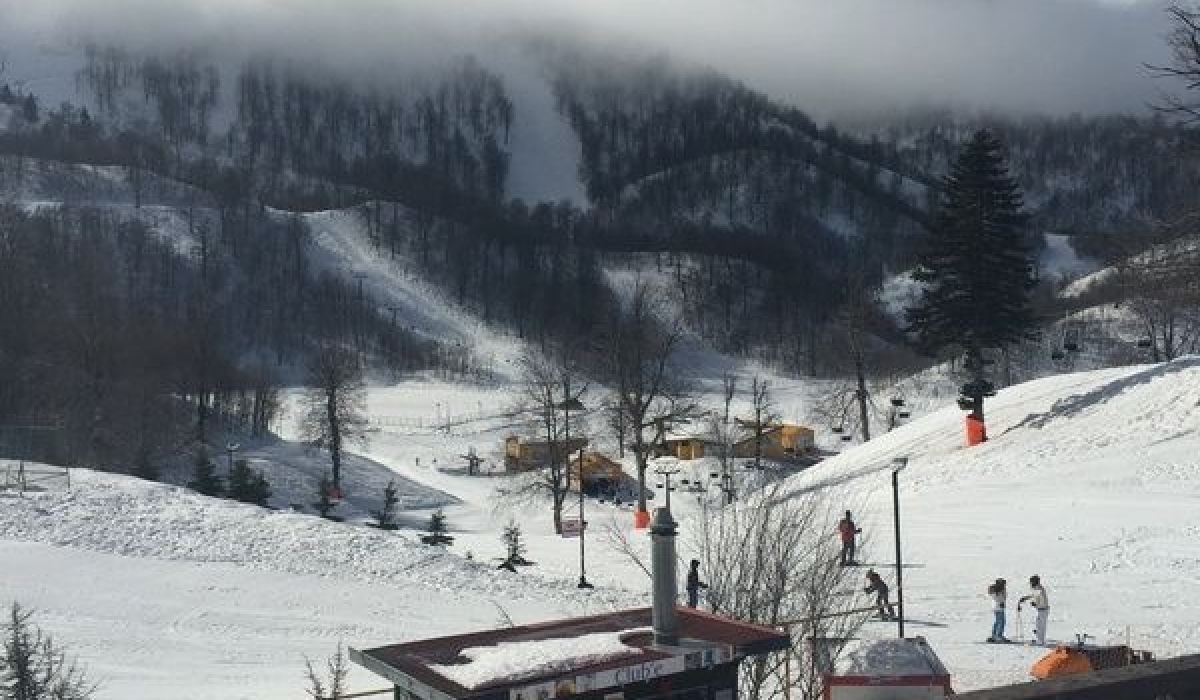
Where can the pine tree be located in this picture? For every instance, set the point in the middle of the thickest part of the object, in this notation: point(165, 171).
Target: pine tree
point(33, 667)
point(204, 475)
point(977, 265)
point(514, 545)
point(385, 517)
point(437, 529)
point(248, 485)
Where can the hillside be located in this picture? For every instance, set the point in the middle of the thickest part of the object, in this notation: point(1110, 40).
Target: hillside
point(1089, 480)
point(507, 183)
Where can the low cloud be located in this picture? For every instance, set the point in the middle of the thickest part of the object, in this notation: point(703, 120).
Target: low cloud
point(827, 56)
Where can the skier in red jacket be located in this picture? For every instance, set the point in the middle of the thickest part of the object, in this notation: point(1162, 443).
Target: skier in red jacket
point(847, 529)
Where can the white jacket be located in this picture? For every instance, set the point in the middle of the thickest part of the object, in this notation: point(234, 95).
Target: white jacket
point(998, 600)
point(1038, 599)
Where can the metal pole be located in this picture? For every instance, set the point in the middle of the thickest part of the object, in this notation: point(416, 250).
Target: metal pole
point(583, 582)
point(899, 561)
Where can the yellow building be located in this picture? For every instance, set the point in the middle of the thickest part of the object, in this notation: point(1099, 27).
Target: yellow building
point(520, 455)
point(684, 446)
point(780, 442)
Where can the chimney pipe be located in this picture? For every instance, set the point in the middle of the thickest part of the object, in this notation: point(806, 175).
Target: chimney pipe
point(662, 566)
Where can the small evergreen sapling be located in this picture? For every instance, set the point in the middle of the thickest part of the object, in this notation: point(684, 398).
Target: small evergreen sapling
point(248, 485)
point(385, 517)
point(437, 529)
point(204, 475)
point(514, 546)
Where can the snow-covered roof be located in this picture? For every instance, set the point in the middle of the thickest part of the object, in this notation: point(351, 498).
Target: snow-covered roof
point(506, 662)
point(888, 657)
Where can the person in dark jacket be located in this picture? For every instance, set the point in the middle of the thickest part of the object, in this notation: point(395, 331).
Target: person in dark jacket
point(876, 585)
point(694, 584)
point(847, 530)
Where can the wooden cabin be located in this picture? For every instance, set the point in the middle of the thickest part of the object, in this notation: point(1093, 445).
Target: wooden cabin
point(597, 470)
point(683, 446)
point(780, 442)
point(521, 455)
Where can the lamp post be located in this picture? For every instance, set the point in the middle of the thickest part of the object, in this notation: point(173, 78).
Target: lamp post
point(898, 465)
point(583, 582)
point(570, 403)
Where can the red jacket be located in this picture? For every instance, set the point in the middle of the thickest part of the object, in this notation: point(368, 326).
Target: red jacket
point(847, 529)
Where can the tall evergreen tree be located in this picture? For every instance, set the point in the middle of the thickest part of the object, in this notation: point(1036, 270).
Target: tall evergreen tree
point(977, 265)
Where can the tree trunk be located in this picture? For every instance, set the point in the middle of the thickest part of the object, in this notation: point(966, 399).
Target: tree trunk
point(335, 437)
point(861, 395)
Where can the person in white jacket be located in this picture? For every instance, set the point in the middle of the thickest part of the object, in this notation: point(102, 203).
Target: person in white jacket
point(998, 592)
point(1041, 603)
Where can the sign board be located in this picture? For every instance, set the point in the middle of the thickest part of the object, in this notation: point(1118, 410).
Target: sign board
point(571, 527)
point(625, 675)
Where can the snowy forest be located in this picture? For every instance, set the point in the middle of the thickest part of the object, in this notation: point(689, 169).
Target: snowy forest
point(772, 229)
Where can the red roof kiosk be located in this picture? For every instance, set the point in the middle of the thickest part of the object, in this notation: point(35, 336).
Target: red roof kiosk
point(663, 652)
point(881, 669)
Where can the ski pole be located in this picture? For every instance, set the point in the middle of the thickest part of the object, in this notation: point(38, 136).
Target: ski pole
point(1020, 627)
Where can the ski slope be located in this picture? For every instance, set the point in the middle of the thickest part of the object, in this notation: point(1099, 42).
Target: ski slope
point(1090, 480)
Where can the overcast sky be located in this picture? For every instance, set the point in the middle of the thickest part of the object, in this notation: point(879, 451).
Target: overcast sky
point(826, 56)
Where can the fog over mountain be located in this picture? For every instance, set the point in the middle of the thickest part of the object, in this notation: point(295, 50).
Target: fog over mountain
point(828, 56)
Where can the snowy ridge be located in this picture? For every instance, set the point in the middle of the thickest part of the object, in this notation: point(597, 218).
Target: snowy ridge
point(134, 518)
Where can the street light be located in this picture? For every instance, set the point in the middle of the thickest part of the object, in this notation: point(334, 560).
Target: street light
point(898, 465)
point(583, 582)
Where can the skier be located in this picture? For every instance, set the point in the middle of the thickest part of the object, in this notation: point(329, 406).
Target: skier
point(694, 584)
point(880, 589)
point(998, 593)
point(847, 529)
point(1040, 602)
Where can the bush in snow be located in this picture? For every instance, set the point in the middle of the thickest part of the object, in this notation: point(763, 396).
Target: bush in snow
point(437, 529)
point(204, 475)
point(385, 517)
point(32, 667)
point(248, 485)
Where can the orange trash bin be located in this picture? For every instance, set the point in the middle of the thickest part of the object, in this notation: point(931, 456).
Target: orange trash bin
point(976, 430)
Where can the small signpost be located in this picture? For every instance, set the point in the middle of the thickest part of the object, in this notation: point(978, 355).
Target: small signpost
point(572, 527)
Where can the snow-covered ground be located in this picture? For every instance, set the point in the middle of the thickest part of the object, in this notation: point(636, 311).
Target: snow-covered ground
point(1090, 480)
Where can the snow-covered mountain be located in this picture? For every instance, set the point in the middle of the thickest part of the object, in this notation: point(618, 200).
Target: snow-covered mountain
point(1089, 480)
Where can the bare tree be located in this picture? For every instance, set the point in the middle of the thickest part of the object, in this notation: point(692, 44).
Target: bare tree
point(32, 667)
point(762, 417)
point(1184, 43)
point(769, 559)
point(553, 389)
point(1161, 284)
point(337, 667)
point(640, 346)
point(336, 404)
